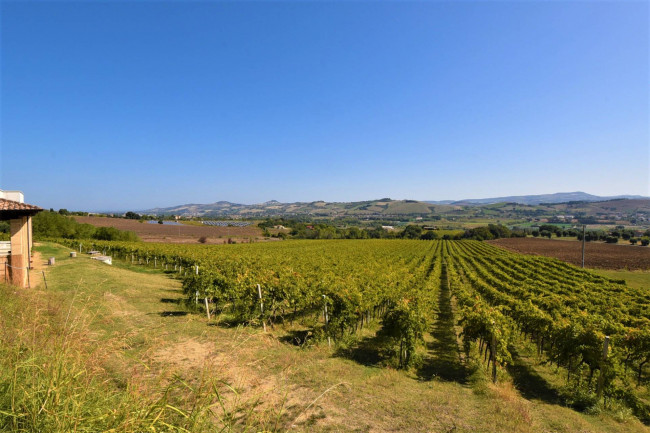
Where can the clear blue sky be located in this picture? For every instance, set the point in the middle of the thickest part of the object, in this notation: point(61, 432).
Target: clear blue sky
point(131, 105)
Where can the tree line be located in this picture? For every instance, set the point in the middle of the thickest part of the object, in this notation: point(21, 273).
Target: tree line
point(305, 230)
point(50, 224)
point(610, 236)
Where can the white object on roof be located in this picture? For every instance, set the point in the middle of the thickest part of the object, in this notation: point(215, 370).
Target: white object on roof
point(13, 196)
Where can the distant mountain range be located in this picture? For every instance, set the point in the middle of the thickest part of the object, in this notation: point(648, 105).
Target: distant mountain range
point(317, 208)
point(558, 197)
point(376, 208)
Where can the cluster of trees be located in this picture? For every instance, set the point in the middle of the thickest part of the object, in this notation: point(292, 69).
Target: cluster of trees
point(328, 231)
point(550, 230)
point(609, 236)
point(66, 212)
point(132, 216)
point(484, 233)
point(55, 225)
point(304, 230)
point(492, 231)
point(129, 215)
point(645, 241)
point(628, 235)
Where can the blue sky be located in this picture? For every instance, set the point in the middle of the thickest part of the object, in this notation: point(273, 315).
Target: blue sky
point(132, 105)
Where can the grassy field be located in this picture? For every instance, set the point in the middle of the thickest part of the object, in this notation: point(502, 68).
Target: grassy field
point(639, 279)
point(130, 357)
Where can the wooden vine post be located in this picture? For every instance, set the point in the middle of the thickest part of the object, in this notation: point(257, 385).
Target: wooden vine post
point(259, 293)
point(493, 355)
point(207, 308)
point(327, 320)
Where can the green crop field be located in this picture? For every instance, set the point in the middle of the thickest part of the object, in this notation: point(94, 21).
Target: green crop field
point(637, 279)
point(534, 322)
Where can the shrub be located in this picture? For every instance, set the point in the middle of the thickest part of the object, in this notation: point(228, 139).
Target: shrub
point(578, 397)
point(113, 234)
point(411, 232)
point(429, 235)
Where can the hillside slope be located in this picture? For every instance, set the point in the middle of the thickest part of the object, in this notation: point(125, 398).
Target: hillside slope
point(264, 381)
point(389, 208)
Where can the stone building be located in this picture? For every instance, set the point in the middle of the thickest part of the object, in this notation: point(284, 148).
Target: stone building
point(15, 255)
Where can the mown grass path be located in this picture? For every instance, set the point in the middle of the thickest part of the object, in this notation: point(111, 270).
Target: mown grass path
point(443, 359)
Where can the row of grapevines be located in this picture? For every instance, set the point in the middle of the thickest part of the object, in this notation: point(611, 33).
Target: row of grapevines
point(354, 282)
point(567, 312)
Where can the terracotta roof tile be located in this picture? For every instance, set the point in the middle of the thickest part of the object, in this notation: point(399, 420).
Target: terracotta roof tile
point(14, 205)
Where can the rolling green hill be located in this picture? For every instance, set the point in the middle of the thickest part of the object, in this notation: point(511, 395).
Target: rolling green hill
point(625, 211)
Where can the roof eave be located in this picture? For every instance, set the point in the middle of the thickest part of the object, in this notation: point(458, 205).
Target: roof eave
point(17, 213)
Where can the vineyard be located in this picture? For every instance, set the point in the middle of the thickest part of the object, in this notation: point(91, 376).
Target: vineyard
point(593, 330)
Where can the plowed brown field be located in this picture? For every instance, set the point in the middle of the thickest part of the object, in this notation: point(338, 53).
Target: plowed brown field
point(597, 255)
point(176, 234)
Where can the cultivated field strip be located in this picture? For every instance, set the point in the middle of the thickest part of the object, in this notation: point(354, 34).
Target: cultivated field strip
point(499, 296)
point(597, 255)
